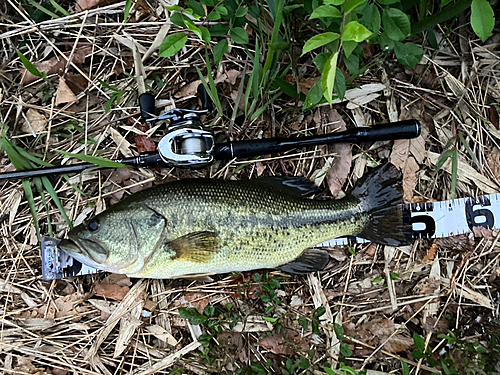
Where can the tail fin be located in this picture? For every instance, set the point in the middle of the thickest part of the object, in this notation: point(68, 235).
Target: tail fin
point(381, 195)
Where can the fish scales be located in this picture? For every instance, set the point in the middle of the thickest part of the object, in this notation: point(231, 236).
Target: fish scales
point(257, 227)
point(203, 226)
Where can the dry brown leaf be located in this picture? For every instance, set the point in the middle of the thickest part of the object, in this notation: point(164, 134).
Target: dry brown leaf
point(56, 65)
point(62, 307)
point(376, 332)
point(118, 279)
point(305, 84)
point(198, 300)
point(260, 168)
point(341, 165)
point(110, 291)
point(37, 122)
point(431, 253)
point(191, 89)
point(64, 93)
point(493, 160)
point(482, 232)
point(287, 342)
point(24, 366)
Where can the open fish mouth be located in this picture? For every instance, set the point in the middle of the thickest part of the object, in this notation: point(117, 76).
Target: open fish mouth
point(84, 250)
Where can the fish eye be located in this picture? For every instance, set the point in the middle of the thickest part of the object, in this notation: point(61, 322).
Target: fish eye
point(93, 225)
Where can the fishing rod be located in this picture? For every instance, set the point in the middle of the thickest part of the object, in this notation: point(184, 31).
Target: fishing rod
point(188, 144)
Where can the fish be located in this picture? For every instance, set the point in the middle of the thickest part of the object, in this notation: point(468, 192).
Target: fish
point(194, 227)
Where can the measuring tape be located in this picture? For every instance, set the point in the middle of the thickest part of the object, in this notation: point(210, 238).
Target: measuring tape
point(443, 219)
point(429, 220)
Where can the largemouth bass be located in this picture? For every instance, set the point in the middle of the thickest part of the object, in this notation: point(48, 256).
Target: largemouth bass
point(202, 226)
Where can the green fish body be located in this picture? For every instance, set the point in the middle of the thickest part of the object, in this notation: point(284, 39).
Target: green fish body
point(201, 226)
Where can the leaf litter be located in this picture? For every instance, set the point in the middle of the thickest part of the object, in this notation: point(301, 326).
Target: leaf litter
point(108, 324)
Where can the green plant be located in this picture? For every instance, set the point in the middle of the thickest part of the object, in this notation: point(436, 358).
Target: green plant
point(346, 25)
point(23, 160)
point(30, 67)
point(115, 97)
point(343, 370)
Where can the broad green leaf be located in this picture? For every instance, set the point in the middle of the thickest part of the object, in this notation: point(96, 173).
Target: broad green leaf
point(408, 54)
point(320, 60)
point(286, 87)
point(371, 18)
point(28, 65)
point(482, 18)
point(386, 43)
point(348, 47)
point(179, 19)
point(314, 95)
point(195, 29)
point(219, 30)
point(106, 163)
point(239, 35)
point(241, 11)
point(172, 44)
point(222, 10)
point(214, 16)
point(419, 341)
point(345, 350)
point(339, 86)
point(325, 11)
point(396, 24)
point(328, 77)
point(352, 64)
point(318, 41)
point(339, 331)
point(388, 2)
point(220, 49)
point(205, 34)
point(196, 7)
point(356, 32)
point(333, 2)
point(352, 4)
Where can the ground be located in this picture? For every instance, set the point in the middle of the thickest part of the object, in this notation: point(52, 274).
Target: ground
point(428, 307)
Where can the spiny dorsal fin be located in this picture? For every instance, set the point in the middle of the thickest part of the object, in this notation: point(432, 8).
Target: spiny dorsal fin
point(296, 186)
point(195, 247)
point(310, 260)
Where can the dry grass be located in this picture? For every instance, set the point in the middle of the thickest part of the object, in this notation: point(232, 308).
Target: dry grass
point(61, 327)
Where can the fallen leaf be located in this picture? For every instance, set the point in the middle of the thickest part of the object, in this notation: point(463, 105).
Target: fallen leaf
point(56, 65)
point(376, 332)
point(64, 93)
point(286, 342)
point(260, 167)
point(37, 122)
point(493, 160)
point(24, 366)
point(341, 165)
point(191, 89)
point(482, 232)
point(62, 306)
point(431, 253)
point(198, 300)
point(144, 143)
point(76, 82)
point(110, 291)
point(118, 279)
point(305, 84)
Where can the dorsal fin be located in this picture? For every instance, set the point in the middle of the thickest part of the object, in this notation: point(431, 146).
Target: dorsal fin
point(297, 186)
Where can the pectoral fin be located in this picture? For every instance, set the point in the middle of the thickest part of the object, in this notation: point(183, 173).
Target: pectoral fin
point(310, 260)
point(195, 247)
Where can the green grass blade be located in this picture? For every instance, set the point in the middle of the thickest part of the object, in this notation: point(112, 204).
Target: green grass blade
point(66, 177)
point(59, 8)
point(103, 162)
point(280, 4)
point(442, 159)
point(43, 9)
point(28, 65)
point(128, 6)
point(31, 203)
point(31, 157)
point(467, 147)
point(39, 186)
point(50, 189)
point(454, 172)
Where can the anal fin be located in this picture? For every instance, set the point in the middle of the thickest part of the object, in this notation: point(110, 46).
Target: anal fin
point(310, 260)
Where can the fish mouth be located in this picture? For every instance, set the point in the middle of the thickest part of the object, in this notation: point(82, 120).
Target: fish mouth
point(84, 250)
